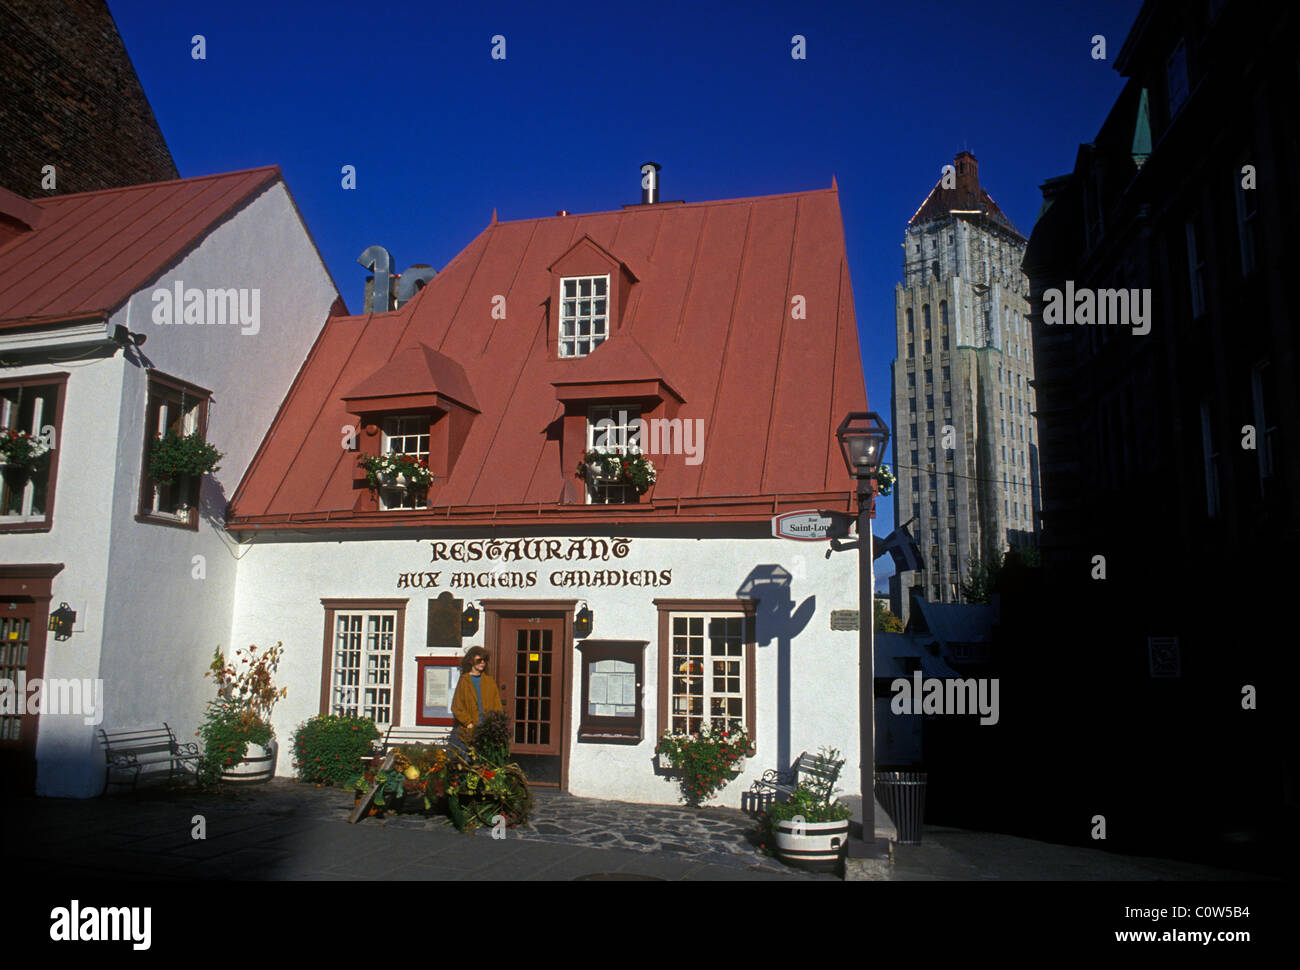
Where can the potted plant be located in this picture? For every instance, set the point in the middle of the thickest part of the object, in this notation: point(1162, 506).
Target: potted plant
point(633, 469)
point(21, 452)
point(810, 829)
point(396, 471)
point(238, 739)
point(707, 760)
point(176, 456)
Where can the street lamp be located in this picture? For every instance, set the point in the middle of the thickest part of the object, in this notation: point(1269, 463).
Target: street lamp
point(863, 436)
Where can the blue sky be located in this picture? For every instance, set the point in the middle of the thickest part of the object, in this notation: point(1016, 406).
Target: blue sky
point(440, 133)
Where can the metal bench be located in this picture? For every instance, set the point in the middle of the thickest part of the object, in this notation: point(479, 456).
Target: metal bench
point(151, 749)
point(773, 783)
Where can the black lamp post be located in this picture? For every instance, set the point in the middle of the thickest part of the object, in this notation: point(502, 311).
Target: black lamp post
point(862, 436)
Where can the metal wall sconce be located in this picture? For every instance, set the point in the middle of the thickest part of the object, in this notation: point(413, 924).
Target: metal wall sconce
point(582, 622)
point(61, 621)
point(469, 621)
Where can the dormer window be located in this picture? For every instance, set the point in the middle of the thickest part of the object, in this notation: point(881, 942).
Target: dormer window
point(405, 435)
point(584, 314)
point(612, 430)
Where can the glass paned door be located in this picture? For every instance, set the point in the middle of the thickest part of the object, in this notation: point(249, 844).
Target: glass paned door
point(532, 681)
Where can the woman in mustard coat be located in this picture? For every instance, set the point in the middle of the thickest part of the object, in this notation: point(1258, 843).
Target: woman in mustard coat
point(476, 695)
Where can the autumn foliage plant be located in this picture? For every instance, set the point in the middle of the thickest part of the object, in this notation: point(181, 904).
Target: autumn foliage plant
point(241, 713)
point(707, 760)
point(480, 787)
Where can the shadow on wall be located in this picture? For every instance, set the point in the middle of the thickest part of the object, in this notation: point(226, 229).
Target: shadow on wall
point(779, 621)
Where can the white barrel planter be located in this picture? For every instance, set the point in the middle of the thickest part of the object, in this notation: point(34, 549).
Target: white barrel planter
point(812, 845)
point(258, 765)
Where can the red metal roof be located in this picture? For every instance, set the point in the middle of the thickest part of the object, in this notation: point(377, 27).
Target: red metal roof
point(709, 317)
point(89, 252)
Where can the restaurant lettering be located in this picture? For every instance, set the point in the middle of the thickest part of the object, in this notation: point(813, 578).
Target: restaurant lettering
point(514, 579)
point(542, 550)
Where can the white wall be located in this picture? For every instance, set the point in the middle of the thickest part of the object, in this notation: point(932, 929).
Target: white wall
point(282, 580)
point(157, 613)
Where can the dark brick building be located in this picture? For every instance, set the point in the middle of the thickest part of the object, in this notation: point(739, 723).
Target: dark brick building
point(70, 98)
point(1132, 685)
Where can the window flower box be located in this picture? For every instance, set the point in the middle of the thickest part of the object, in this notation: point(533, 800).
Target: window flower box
point(399, 471)
point(633, 469)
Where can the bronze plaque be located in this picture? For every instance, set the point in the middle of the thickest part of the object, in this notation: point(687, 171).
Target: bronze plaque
point(844, 619)
point(444, 621)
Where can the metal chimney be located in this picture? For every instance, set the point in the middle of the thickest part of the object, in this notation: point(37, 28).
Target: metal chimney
point(650, 183)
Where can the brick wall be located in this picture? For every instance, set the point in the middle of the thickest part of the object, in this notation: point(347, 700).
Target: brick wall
point(70, 98)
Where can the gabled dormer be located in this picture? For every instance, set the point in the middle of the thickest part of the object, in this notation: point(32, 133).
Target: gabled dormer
point(588, 299)
point(602, 398)
point(420, 403)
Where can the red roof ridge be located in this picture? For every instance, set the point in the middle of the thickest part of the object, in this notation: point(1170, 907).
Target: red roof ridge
point(685, 205)
point(122, 189)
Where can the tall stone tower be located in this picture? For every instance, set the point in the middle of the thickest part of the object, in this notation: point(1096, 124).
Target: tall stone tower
point(965, 437)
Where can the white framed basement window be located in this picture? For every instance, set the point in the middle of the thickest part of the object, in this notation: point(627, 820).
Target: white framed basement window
point(364, 660)
point(406, 434)
point(612, 429)
point(584, 314)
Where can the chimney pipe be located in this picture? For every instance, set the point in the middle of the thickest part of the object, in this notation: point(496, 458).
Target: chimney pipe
point(650, 183)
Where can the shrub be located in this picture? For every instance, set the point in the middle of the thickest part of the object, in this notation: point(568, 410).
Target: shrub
point(327, 749)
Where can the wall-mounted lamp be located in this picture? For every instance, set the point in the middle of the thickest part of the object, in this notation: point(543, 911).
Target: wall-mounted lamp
point(61, 621)
point(582, 622)
point(122, 337)
point(469, 621)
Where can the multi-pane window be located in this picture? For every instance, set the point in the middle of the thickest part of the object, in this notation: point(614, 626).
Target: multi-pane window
point(910, 327)
point(708, 672)
point(29, 410)
point(613, 429)
point(911, 379)
point(362, 665)
point(172, 407)
point(405, 434)
point(1176, 78)
point(584, 314)
point(911, 349)
point(1245, 223)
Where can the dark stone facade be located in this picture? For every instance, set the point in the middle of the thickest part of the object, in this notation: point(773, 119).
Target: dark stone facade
point(70, 98)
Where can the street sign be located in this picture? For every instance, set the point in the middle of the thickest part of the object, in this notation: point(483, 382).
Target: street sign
point(811, 525)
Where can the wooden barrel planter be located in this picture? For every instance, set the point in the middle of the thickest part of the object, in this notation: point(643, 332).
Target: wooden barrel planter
point(819, 848)
point(258, 766)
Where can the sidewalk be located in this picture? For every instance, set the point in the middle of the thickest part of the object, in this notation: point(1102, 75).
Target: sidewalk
point(287, 831)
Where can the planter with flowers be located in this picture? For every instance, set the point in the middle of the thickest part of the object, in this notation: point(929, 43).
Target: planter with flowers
point(479, 787)
point(707, 760)
point(238, 740)
point(396, 471)
point(633, 469)
point(176, 456)
point(21, 453)
point(810, 829)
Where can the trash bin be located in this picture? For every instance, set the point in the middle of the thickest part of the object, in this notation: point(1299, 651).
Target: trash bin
point(902, 795)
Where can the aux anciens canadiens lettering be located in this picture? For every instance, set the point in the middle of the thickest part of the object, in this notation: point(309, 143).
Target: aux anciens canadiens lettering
point(502, 551)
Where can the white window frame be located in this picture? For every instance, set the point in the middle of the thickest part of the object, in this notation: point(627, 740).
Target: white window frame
point(627, 440)
point(573, 319)
point(734, 672)
point(397, 427)
point(189, 423)
point(8, 419)
point(366, 688)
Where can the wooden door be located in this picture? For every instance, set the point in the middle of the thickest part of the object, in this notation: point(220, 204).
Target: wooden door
point(22, 643)
point(530, 662)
